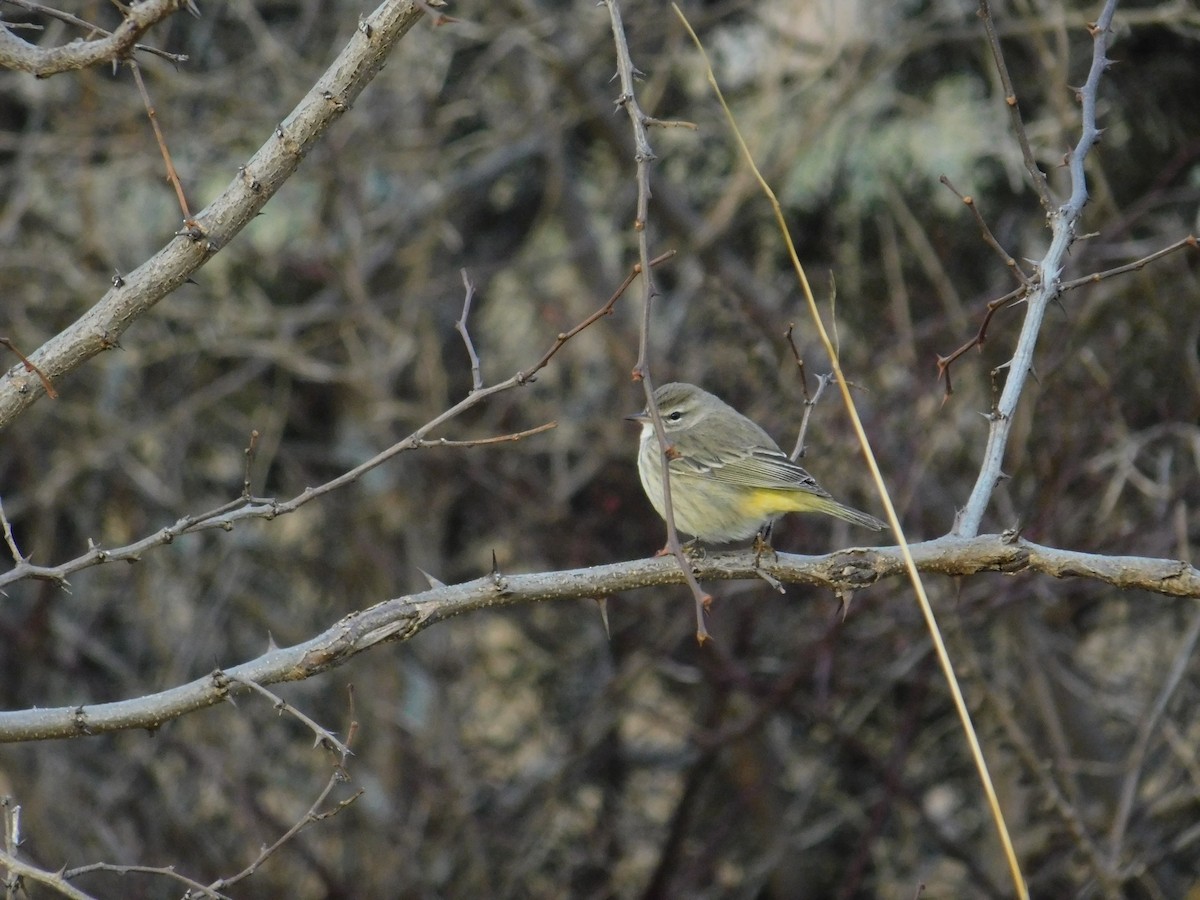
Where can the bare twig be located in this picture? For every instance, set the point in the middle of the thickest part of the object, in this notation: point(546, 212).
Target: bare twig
point(89, 27)
point(988, 237)
point(1189, 242)
point(30, 367)
point(45, 61)
point(251, 449)
point(498, 439)
point(324, 737)
point(1014, 110)
point(461, 326)
point(161, 871)
point(605, 310)
point(810, 401)
point(9, 539)
point(152, 115)
point(944, 363)
point(643, 156)
point(313, 815)
point(670, 123)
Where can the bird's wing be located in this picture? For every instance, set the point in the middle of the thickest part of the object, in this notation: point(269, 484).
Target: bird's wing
point(755, 468)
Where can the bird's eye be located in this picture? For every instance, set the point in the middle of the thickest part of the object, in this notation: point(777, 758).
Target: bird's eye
point(675, 416)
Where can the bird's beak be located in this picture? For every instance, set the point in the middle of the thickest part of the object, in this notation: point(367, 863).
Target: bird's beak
point(640, 417)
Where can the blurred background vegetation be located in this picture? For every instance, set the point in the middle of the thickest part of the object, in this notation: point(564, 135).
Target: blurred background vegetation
point(523, 753)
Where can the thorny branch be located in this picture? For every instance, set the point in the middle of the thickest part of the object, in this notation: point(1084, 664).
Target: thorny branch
point(944, 363)
point(324, 737)
point(1048, 284)
point(643, 157)
point(60, 880)
point(401, 618)
point(101, 327)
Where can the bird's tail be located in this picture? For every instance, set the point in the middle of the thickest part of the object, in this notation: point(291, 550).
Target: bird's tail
point(849, 514)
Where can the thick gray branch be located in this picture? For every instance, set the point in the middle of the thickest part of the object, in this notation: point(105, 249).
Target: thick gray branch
point(102, 325)
point(403, 617)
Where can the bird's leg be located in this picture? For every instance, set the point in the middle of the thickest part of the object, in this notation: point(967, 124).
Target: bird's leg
point(761, 548)
point(691, 549)
point(762, 545)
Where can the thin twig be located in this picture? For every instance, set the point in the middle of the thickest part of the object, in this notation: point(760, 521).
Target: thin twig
point(1095, 277)
point(605, 310)
point(945, 362)
point(172, 175)
point(1012, 297)
point(30, 367)
point(988, 237)
point(311, 816)
point(251, 449)
point(61, 15)
point(810, 401)
point(461, 327)
point(643, 156)
point(324, 737)
point(162, 871)
point(91, 29)
point(1014, 110)
point(670, 123)
point(823, 381)
point(9, 539)
point(498, 439)
point(99, 46)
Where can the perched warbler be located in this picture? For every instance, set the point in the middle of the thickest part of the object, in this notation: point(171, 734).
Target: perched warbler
point(729, 479)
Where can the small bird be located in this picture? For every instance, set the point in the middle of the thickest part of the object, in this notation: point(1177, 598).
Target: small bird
point(729, 479)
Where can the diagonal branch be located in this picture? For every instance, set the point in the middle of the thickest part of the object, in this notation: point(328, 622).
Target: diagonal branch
point(257, 181)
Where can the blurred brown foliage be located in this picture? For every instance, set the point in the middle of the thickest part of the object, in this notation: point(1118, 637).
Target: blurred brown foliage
point(522, 753)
